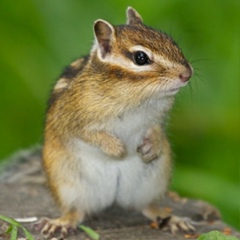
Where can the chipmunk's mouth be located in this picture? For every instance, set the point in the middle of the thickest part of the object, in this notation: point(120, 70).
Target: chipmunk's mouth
point(174, 89)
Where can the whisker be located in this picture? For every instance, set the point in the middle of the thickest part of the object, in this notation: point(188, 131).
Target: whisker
point(200, 76)
point(151, 97)
point(201, 60)
point(190, 87)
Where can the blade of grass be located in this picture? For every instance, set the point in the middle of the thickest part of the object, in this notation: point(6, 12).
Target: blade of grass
point(10, 220)
point(14, 233)
point(91, 233)
point(9, 230)
point(13, 228)
point(27, 234)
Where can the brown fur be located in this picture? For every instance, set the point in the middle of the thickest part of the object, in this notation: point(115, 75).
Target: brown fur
point(92, 91)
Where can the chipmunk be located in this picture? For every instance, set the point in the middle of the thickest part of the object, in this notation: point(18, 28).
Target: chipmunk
point(104, 139)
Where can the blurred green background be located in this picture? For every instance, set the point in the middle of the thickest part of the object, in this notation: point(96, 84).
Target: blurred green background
point(39, 38)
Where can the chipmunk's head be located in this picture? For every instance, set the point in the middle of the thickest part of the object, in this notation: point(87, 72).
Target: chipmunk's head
point(139, 54)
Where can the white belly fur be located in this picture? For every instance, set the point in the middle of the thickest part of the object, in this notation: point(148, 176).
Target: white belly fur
point(102, 181)
point(129, 181)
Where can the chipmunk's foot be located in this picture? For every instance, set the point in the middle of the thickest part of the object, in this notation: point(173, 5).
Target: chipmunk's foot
point(54, 228)
point(175, 224)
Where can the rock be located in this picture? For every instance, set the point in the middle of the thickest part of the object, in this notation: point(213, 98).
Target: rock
point(23, 194)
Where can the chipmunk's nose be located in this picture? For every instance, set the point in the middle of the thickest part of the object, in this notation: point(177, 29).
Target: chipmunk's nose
point(186, 74)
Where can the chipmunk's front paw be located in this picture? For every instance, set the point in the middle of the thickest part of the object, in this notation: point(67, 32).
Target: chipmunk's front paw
point(114, 148)
point(50, 228)
point(147, 150)
point(175, 224)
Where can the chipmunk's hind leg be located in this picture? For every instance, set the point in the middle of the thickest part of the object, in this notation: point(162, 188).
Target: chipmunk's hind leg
point(62, 226)
point(167, 221)
point(62, 171)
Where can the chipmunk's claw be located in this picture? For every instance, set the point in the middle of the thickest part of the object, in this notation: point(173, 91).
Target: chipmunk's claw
point(175, 224)
point(50, 228)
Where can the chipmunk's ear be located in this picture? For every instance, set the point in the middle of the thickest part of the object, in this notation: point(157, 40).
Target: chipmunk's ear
point(133, 17)
point(104, 35)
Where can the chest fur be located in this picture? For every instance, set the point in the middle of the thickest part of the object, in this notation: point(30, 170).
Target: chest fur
point(131, 126)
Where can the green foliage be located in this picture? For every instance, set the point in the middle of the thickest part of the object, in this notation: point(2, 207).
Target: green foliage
point(13, 228)
point(39, 38)
point(216, 235)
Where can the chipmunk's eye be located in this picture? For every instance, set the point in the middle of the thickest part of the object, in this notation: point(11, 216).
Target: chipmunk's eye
point(141, 58)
